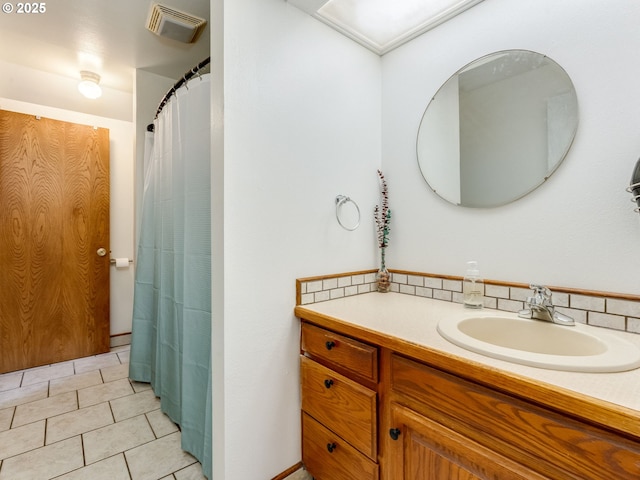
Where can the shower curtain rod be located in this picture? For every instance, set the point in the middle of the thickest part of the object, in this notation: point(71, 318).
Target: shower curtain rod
point(185, 78)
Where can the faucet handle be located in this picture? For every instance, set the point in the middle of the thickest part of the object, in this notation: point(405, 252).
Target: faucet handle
point(542, 293)
point(540, 290)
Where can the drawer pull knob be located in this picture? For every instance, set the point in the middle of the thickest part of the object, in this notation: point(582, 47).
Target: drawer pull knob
point(330, 344)
point(394, 433)
point(331, 447)
point(328, 382)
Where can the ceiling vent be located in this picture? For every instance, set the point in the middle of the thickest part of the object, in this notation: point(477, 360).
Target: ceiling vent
point(171, 23)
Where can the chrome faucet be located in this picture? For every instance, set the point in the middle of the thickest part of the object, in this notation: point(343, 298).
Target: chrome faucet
point(541, 308)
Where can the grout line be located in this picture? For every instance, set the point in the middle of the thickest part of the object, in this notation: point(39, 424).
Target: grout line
point(84, 455)
point(13, 417)
point(150, 426)
point(46, 424)
point(126, 463)
point(113, 416)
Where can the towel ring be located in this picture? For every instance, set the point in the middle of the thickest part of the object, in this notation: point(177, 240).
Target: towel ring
point(340, 201)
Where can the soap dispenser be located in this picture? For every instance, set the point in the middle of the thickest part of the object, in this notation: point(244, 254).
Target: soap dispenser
point(473, 287)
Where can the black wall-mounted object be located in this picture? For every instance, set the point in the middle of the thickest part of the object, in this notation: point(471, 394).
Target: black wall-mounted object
point(634, 187)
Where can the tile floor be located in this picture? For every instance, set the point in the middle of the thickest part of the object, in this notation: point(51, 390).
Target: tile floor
point(299, 475)
point(85, 420)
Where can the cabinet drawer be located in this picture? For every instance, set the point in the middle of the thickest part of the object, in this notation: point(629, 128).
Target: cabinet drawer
point(340, 404)
point(326, 456)
point(344, 352)
point(549, 443)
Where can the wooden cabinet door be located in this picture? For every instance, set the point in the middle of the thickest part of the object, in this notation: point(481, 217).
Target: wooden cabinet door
point(54, 218)
point(426, 450)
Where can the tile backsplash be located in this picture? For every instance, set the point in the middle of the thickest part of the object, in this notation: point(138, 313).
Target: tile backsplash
point(601, 309)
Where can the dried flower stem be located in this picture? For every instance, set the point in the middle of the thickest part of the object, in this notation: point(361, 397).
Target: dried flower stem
point(383, 218)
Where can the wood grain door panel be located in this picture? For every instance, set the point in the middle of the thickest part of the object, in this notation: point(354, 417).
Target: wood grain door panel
point(426, 450)
point(54, 215)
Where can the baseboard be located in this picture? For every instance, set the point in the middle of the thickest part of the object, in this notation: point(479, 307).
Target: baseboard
point(288, 472)
point(120, 339)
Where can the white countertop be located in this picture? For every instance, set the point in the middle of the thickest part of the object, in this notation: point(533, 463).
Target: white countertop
point(414, 319)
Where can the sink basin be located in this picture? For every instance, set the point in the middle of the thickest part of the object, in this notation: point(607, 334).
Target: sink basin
point(580, 348)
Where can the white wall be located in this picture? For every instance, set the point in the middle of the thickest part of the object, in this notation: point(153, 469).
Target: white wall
point(121, 229)
point(576, 230)
point(301, 125)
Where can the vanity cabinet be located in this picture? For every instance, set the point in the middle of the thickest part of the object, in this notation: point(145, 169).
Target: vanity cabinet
point(445, 425)
point(339, 406)
point(376, 406)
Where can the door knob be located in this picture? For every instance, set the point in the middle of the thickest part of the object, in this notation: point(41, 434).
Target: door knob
point(101, 252)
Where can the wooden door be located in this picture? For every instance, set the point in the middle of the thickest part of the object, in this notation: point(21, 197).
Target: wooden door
point(54, 217)
point(426, 450)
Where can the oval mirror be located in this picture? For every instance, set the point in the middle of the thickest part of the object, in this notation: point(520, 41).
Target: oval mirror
point(497, 129)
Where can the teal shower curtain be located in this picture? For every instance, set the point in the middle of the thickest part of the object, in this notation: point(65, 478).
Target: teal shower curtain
point(171, 341)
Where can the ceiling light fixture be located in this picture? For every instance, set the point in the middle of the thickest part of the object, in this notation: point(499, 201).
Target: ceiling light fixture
point(382, 25)
point(88, 86)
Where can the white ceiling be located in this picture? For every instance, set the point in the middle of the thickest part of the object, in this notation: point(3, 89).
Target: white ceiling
point(382, 25)
point(108, 37)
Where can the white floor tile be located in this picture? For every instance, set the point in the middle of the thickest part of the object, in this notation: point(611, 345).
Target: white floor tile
point(21, 439)
point(121, 348)
point(107, 441)
point(192, 472)
point(124, 356)
point(113, 468)
point(133, 405)
point(140, 386)
point(104, 392)
point(14, 397)
point(9, 381)
point(44, 463)
point(161, 424)
point(43, 374)
point(72, 406)
point(95, 363)
point(45, 408)
point(158, 458)
point(77, 422)
point(116, 372)
point(77, 382)
point(6, 415)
